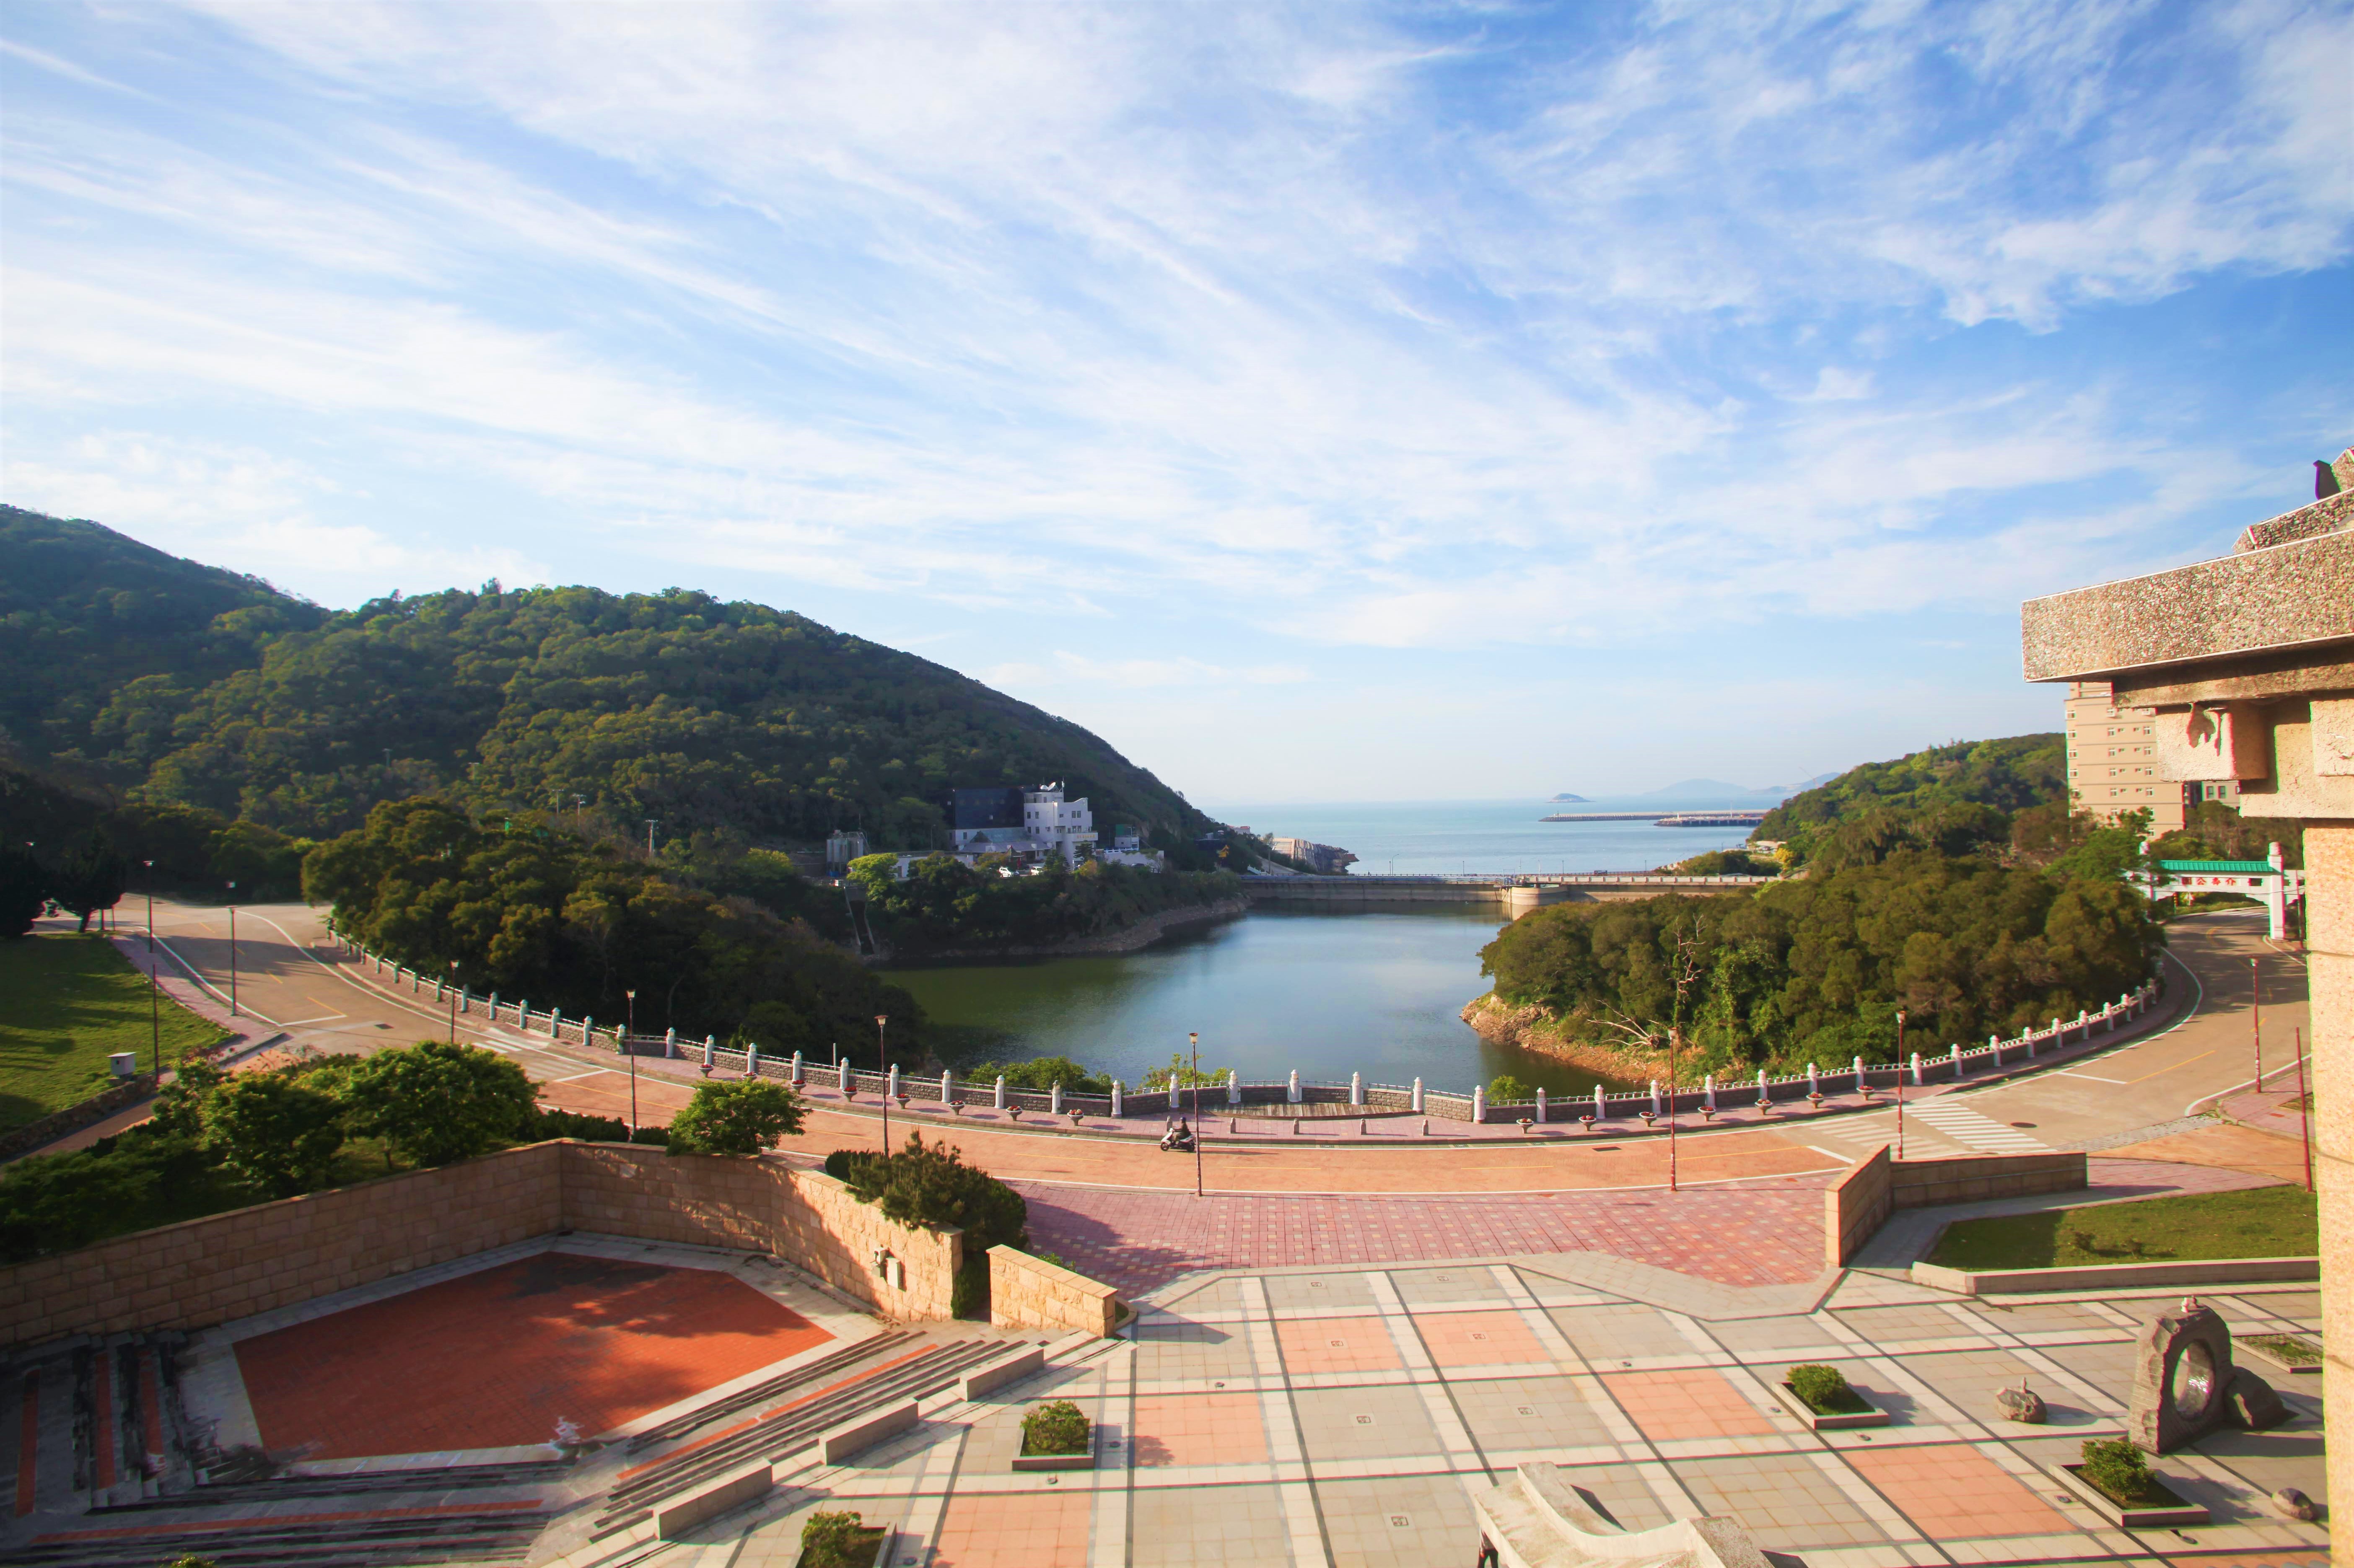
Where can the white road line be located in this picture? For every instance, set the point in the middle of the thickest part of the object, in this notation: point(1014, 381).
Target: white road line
point(322, 1018)
point(2063, 1072)
point(591, 1072)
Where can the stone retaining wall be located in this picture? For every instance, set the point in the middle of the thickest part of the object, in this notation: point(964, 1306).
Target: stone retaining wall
point(1877, 1185)
point(1026, 1292)
point(226, 1266)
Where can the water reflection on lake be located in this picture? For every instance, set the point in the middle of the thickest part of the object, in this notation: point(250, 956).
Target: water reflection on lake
point(1378, 993)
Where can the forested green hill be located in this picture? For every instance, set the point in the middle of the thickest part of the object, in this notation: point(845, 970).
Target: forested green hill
point(178, 683)
point(1953, 797)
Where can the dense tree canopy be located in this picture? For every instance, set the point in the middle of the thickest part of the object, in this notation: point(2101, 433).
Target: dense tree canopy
point(1952, 799)
point(701, 713)
point(944, 903)
point(561, 922)
point(1815, 967)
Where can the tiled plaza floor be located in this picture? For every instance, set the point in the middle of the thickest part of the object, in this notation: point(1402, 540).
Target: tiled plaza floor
point(1347, 1418)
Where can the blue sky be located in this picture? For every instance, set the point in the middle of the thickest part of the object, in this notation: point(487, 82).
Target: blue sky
point(1320, 402)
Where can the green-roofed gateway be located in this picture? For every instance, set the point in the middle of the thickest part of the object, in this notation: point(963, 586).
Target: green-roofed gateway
point(2267, 882)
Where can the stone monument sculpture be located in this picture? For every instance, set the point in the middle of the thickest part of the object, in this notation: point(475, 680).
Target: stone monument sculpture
point(2185, 1385)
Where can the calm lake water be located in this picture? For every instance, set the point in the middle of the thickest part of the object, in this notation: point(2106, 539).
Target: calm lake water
point(1329, 994)
point(1378, 993)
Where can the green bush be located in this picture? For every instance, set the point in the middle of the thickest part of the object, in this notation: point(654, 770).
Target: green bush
point(2116, 1467)
point(572, 1124)
point(1504, 1089)
point(968, 1295)
point(1054, 1427)
point(433, 1102)
point(1041, 1074)
point(736, 1117)
point(837, 1540)
point(274, 1131)
point(1824, 1389)
point(930, 1184)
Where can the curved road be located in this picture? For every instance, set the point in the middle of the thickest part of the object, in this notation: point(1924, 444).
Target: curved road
point(289, 977)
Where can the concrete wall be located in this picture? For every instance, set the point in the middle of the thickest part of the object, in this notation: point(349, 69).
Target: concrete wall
point(2330, 978)
point(1878, 1185)
point(227, 1267)
point(224, 1266)
point(1025, 1292)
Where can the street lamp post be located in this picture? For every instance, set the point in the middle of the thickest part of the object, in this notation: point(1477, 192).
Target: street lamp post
point(1900, 1082)
point(2256, 1019)
point(232, 947)
point(453, 1002)
point(651, 823)
point(1672, 1033)
point(155, 983)
point(882, 1061)
point(630, 1027)
point(1193, 1038)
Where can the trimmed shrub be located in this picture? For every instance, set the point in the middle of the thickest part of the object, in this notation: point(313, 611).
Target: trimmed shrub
point(572, 1124)
point(930, 1184)
point(1824, 1389)
point(968, 1297)
point(736, 1117)
point(837, 1539)
point(2116, 1467)
point(1054, 1427)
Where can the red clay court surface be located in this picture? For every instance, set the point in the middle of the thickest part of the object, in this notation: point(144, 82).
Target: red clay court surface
point(492, 1360)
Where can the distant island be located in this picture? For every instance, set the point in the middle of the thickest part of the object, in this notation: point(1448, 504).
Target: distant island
point(1565, 796)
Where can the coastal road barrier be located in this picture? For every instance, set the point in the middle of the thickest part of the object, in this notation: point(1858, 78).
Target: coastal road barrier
point(1227, 1095)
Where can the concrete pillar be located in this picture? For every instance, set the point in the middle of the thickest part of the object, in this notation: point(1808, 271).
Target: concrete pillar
point(1994, 1047)
point(891, 1080)
point(1860, 1084)
point(554, 1015)
point(797, 1075)
point(1813, 1085)
point(1655, 1097)
point(670, 1043)
point(999, 1101)
point(1356, 1088)
point(751, 1058)
point(1479, 1103)
point(587, 1029)
point(1916, 1067)
point(842, 1074)
point(1957, 1063)
point(1544, 1109)
point(710, 1050)
point(1055, 1098)
point(1118, 1106)
point(1708, 1091)
point(948, 1087)
point(1760, 1085)
point(1417, 1096)
point(1291, 1091)
point(2329, 956)
point(1234, 1087)
point(1598, 1114)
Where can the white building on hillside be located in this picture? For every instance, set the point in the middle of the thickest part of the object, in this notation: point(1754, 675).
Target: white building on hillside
point(1056, 826)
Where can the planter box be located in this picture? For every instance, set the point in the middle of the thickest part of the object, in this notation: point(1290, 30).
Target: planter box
point(886, 1539)
point(1875, 1416)
point(2117, 1513)
point(2109, 1277)
point(2251, 1348)
point(1085, 1461)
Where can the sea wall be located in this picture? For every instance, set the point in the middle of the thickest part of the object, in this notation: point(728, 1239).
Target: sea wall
point(1126, 939)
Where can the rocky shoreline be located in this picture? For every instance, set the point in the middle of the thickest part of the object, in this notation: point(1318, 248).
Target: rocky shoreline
point(1143, 933)
point(1534, 1028)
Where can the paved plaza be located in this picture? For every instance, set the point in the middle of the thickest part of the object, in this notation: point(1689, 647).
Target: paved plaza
point(1345, 1417)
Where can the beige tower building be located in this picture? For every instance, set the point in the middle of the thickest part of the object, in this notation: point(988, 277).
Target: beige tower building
point(2247, 665)
point(2112, 760)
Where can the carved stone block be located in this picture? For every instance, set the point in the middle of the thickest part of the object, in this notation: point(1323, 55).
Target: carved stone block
point(2181, 1374)
point(2212, 743)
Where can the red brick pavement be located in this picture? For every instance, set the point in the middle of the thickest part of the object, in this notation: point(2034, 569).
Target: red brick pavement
point(493, 1359)
point(1136, 1240)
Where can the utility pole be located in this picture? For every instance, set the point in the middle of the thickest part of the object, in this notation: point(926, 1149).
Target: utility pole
point(882, 1060)
point(155, 983)
point(232, 947)
point(2256, 1019)
point(453, 1002)
point(1900, 1082)
point(630, 1027)
point(1193, 1038)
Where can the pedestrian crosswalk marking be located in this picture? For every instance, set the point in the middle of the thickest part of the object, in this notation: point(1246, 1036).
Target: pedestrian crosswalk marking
point(1974, 1129)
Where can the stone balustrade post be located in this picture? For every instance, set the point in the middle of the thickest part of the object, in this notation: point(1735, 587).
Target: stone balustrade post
point(1234, 1087)
point(554, 1014)
point(1055, 1098)
point(1000, 1091)
point(1479, 1103)
point(751, 1058)
point(1860, 1085)
point(1917, 1068)
point(1417, 1096)
point(1813, 1087)
point(1760, 1085)
point(710, 1050)
point(1708, 1090)
point(670, 1043)
point(588, 1030)
point(1356, 1088)
point(1118, 1107)
point(1291, 1091)
point(797, 1073)
point(1544, 1108)
point(1598, 1114)
point(948, 1087)
point(1957, 1063)
point(1655, 1097)
point(891, 1080)
point(841, 1074)
point(1994, 1046)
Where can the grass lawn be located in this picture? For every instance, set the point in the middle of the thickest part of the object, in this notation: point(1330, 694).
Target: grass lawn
point(2260, 1222)
point(70, 1003)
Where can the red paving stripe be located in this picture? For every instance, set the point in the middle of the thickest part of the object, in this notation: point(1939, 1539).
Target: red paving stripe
point(28, 1444)
point(770, 1415)
point(274, 1520)
point(102, 1397)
